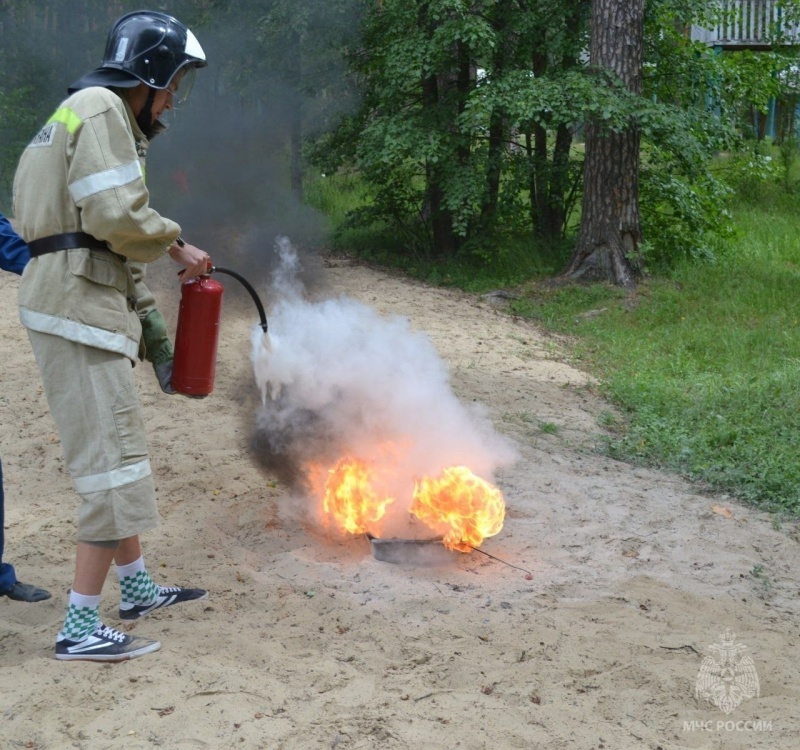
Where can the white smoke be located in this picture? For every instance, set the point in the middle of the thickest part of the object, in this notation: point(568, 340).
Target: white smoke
point(337, 379)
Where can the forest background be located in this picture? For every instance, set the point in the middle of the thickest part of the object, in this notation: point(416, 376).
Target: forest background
point(447, 139)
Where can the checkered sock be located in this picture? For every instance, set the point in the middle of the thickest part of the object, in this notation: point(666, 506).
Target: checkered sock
point(135, 584)
point(83, 616)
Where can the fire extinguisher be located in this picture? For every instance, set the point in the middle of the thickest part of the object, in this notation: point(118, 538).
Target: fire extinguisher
point(197, 335)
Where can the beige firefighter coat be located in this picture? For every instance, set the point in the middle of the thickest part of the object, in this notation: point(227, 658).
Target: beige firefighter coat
point(84, 172)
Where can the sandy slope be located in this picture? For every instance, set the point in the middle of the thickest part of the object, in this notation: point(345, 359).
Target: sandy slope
point(624, 577)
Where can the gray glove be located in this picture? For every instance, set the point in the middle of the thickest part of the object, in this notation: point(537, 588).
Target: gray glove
point(164, 375)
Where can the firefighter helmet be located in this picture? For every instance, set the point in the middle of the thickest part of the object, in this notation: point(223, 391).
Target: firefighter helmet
point(149, 47)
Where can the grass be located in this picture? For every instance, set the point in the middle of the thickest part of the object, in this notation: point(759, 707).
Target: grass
point(703, 365)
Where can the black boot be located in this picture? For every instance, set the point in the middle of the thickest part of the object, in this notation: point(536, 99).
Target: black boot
point(26, 592)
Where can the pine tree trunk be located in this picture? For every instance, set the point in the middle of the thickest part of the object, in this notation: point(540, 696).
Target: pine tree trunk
point(608, 243)
point(443, 237)
point(497, 123)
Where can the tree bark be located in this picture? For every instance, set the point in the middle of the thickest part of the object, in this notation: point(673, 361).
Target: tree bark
point(497, 121)
point(434, 208)
point(549, 167)
point(443, 237)
point(607, 248)
point(559, 183)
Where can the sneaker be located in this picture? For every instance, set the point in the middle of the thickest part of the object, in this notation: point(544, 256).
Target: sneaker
point(167, 596)
point(105, 644)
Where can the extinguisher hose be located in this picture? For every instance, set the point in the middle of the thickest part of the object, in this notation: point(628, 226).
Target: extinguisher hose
point(247, 285)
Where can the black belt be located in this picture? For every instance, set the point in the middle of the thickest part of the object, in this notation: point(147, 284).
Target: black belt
point(56, 242)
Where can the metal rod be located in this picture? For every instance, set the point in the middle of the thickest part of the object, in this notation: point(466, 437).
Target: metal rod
point(499, 560)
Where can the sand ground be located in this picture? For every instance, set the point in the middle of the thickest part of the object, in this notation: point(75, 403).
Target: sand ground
point(588, 631)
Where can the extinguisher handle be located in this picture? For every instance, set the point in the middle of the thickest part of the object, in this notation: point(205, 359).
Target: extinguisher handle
point(209, 270)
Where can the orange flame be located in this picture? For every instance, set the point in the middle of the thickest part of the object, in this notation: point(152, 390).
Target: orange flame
point(350, 498)
point(471, 507)
point(459, 505)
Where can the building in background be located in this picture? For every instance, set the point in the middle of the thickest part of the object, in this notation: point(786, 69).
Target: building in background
point(760, 25)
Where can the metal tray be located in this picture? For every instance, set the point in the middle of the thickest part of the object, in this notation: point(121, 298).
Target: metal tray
point(409, 551)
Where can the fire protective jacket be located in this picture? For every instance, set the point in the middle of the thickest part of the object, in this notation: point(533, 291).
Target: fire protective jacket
point(84, 172)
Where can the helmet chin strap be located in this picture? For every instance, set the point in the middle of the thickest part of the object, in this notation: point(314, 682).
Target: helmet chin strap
point(145, 117)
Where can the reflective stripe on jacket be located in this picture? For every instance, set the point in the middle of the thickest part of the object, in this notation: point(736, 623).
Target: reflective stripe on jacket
point(84, 172)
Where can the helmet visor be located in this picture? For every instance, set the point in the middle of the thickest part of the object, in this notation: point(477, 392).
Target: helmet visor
point(182, 84)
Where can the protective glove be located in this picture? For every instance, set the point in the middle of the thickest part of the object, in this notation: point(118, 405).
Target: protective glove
point(158, 349)
point(164, 375)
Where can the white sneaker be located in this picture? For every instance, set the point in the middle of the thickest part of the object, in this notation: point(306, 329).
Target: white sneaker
point(166, 597)
point(105, 644)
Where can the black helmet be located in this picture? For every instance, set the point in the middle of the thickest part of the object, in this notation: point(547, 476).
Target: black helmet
point(145, 46)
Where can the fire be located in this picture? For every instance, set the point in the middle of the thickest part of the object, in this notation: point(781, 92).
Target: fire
point(351, 499)
point(461, 506)
point(471, 507)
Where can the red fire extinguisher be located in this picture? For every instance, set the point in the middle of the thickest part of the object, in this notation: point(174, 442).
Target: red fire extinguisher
point(197, 335)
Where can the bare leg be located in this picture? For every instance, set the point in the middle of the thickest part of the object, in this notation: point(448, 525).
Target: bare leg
point(91, 568)
point(129, 550)
point(92, 563)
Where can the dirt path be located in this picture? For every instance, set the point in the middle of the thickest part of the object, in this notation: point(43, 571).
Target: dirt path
point(624, 578)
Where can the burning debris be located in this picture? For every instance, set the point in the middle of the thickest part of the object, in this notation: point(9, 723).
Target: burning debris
point(357, 412)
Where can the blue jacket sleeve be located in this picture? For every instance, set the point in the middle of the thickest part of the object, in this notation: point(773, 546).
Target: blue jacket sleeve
point(13, 251)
